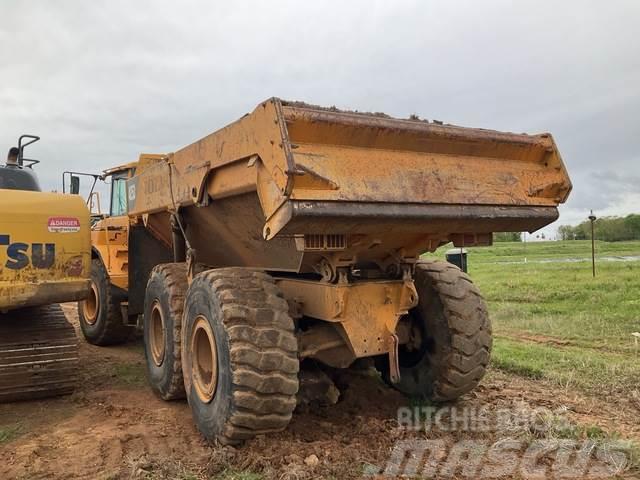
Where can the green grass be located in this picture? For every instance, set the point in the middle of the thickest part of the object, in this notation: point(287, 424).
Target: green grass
point(565, 301)
point(569, 367)
point(536, 251)
point(8, 433)
point(130, 374)
point(554, 320)
point(553, 426)
point(234, 475)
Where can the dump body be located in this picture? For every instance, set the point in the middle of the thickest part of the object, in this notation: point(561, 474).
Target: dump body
point(289, 180)
point(44, 248)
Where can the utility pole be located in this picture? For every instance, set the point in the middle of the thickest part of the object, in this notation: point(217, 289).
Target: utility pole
point(592, 218)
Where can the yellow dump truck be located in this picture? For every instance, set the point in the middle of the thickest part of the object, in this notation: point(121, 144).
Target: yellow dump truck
point(294, 236)
point(44, 259)
point(103, 315)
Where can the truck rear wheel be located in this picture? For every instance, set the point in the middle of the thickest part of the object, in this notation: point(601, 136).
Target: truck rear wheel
point(239, 355)
point(100, 314)
point(163, 306)
point(451, 334)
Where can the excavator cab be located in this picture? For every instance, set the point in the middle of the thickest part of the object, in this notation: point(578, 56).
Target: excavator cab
point(20, 176)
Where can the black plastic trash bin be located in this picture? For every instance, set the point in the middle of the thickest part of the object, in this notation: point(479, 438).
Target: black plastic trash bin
point(457, 256)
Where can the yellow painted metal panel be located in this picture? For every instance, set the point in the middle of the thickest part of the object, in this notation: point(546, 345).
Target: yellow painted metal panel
point(363, 174)
point(368, 311)
point(110, 237)
point(44, 248)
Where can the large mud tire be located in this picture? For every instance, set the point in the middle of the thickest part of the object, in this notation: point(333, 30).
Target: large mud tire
point(100, 315)
point(456, 336)
point(163, 307)
point(239, 360)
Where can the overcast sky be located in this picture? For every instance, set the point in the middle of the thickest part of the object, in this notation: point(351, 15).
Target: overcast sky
point(101, 82)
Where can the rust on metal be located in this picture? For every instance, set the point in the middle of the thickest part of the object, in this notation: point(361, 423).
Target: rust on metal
point(365, 313)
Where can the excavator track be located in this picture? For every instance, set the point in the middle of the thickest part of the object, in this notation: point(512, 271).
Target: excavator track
point(38, 354)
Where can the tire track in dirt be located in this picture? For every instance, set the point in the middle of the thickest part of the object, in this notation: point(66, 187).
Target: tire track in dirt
point(102, 442)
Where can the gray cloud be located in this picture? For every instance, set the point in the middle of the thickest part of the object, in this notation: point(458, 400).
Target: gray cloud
point(103, 81)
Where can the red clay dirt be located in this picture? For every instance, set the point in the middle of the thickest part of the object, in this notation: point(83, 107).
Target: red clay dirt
point(114, 427)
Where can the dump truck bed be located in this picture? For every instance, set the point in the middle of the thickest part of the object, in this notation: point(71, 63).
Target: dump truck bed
point(292, 171)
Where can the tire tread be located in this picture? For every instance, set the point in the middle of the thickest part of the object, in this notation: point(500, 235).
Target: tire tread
point(262, 352)
point(114, 329)
point(174, 277)
point(469, 323)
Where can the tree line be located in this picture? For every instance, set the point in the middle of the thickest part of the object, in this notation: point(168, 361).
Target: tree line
point(609, 229)
point(507, 237)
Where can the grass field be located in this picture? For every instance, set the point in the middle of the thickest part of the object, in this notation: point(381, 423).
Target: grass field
point(553, 320)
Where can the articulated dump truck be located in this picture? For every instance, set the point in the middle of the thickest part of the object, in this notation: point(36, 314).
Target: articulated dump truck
point(292, 239)
point(44, 259)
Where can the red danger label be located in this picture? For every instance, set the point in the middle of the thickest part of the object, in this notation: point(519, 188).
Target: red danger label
point(64, 225)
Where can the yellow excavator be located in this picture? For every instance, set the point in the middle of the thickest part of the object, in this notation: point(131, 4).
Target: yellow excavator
point(45, 254)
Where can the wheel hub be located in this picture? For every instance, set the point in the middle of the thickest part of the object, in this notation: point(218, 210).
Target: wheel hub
point(413, 339)
point(204, 366)
point(157, 334)
point(91, 305)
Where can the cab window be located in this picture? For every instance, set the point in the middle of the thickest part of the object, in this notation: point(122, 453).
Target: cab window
point(118, 196)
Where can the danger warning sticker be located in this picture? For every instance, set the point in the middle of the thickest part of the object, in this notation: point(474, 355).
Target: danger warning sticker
point(64, 225)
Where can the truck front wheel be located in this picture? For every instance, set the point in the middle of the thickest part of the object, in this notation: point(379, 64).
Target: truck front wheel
point(100, 314)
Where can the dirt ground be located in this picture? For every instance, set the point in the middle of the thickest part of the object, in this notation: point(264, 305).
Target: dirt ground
point(114, 427)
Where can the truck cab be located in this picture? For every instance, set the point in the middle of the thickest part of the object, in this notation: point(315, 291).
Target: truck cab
point(103, 316)
point(110, 231)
